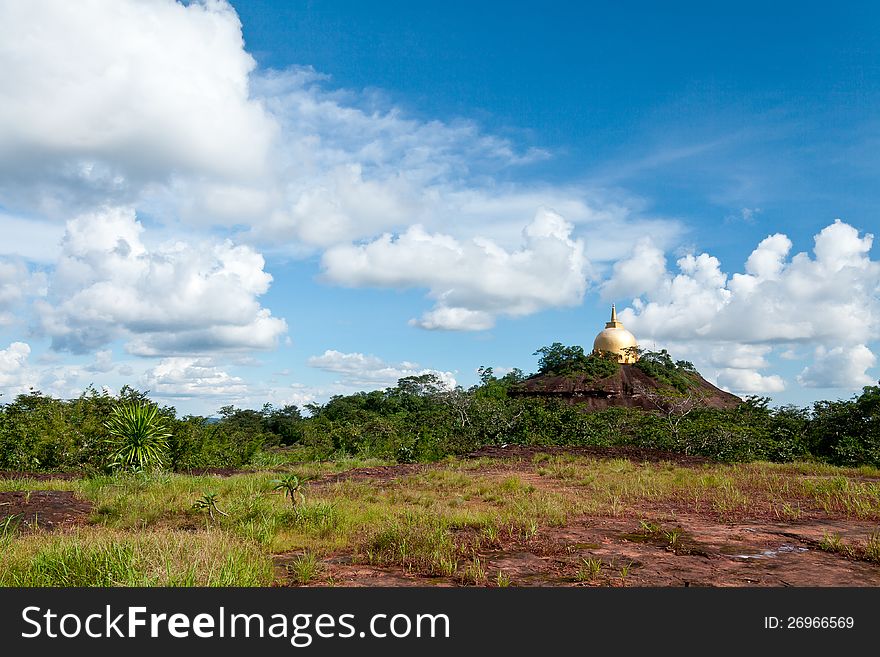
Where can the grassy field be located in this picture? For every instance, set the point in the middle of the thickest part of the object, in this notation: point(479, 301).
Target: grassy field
point(429, 521)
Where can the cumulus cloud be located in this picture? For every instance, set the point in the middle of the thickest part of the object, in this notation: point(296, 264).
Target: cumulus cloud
point(175, 298)
point(471, 281)
point(192, 377)
point(100, 98)
point(639, 273)
point(832, 296)
point(839, 367)
point(357, 369)
point(745, 381)
point(157, 105)
point(454, 319)
point(103, 362)
point(14, 368)
point(17, 283)
point(740, 356)
point(828, 301)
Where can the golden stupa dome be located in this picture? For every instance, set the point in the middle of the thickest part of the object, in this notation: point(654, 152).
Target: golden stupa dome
point(615, 339)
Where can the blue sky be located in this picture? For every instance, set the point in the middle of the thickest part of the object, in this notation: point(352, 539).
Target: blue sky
point(280, 201)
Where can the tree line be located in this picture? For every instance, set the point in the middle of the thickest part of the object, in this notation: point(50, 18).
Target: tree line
point(419, 419)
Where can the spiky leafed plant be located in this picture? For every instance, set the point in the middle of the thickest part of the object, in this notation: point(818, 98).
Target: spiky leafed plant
point(138, 436)
point(208, 502)
point(292, 487)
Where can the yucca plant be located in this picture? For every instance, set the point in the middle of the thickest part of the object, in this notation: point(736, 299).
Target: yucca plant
point(138, 436)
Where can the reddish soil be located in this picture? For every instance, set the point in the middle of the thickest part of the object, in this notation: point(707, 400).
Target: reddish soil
point(381, 473)
point(746, 547)
point(43, 509)
point(339, 570)
point(706, 554)
point(510, 458)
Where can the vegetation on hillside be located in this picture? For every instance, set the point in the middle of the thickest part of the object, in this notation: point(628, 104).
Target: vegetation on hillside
point(557, 359)
point(659, 365)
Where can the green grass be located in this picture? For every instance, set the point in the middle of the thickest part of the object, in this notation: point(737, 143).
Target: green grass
point(867, 551)
point(98, 557)
point(728, 490)
point(27, 483)
point(304, 568)
point(589, 569)
point(144, 530)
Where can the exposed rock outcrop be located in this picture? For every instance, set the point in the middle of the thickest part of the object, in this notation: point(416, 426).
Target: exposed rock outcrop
point(628, 387)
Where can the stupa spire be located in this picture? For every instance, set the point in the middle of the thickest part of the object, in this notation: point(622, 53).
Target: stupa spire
point(613, 323)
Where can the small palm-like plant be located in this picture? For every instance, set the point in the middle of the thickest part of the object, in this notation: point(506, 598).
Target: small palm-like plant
point(139, 436)
point(292, 487)
point(208, 502)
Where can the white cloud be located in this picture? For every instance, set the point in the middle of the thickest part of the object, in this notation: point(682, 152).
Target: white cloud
point(18, 375)
point(640, 273)
point(830, 297)
point(741, 356)
point(112, 109)
point(349, 167)
point(100, 98)
point(454, 319)
point(103, 362)
point(157, 105)
point(839, 367)
point(14, 374)
point(744, 381)
point(471, 281)
point(828, 301)
point(192, 377)
point(358, 369)
point(175, 298)
point(17, 283)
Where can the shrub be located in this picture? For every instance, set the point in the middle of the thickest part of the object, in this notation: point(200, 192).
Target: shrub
point(138, 436)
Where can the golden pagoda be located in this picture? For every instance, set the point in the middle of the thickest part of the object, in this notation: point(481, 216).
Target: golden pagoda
point(614, 339)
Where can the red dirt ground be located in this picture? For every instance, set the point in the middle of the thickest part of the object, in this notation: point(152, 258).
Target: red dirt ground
point(44, 509)
point(710, 554)
point(746, 548)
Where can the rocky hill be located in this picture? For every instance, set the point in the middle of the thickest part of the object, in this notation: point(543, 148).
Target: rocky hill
point(630, 387)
